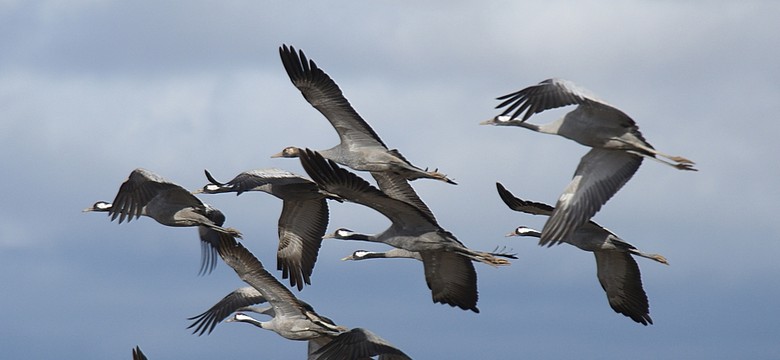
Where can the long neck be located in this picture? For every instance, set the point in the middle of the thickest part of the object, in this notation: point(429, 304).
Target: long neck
point(392, 253)
point(657, 257)
point(239, 317)
point(504, 120)
point(402, 253)
point(362, 237)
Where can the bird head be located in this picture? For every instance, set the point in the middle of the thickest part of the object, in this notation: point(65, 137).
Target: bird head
point(101, 206)
point(501, 120)
point(341, 233)
point(524, 231)
point(357, 255)
point(288, 152)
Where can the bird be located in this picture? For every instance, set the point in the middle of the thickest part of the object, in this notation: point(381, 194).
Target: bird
point(148, 194)
point(138, 354)
point(447, 262)
point(616, 269)
point(292, 318)
point(360, 148)
point(302, 223)
point(617, 148)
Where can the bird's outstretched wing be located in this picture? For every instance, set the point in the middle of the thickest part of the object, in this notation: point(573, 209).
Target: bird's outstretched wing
point(600, 174)
point(548, 94)
point(324, 95)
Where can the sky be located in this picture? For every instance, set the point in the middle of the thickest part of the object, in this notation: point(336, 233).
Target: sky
point(90, 90)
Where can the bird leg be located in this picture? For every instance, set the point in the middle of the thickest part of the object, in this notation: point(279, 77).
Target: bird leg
point(681, 162)
point(486, 258)
point(679, 165)
point(442, 177)
point(660, 258)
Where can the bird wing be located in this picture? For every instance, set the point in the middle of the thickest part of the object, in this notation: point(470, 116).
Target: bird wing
point(600, 174)
point(235, 301)
point(301, 227)
point(334, 179)
point(451, 278)
point(397, 187)
point(251, 271)
point(516, 204)
point(138, 354)
point(358, 343)
point(620, 278)
point(209, 240)
point(534, 208)
point(548, 94)
point(140, 188)
point(324, 95)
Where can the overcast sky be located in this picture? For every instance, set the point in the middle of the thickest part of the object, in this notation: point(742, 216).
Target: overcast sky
point(90, 90)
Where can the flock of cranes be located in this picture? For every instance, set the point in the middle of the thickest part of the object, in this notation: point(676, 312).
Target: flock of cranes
point(617, 150)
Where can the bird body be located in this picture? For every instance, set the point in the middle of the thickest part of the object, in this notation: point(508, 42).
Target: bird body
point(145, 193)
point(360, 147)
point(302, 222)
point(616, 269)
point(618, 148)
point(448, 268)
point(291, 318)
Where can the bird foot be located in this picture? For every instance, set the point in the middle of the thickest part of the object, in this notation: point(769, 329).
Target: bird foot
point(660, 258)
point(499, 262)
point(681, 160)
point(685, 166)
point(442, 177)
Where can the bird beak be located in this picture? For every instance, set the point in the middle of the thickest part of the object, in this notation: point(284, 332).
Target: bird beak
point(278, 155)
point(196, 192)
point(347, 258)
point(328, 236)
point(510, 234)
point(490, 121)
point(87, 209)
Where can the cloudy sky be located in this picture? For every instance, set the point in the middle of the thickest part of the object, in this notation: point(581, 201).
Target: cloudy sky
point(90, 90)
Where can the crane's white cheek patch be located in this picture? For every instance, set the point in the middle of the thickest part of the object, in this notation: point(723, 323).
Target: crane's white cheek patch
point(525, 231)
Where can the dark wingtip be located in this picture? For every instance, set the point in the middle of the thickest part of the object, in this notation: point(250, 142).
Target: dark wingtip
point(211, 178)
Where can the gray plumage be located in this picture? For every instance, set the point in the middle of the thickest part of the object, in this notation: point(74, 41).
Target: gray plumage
point(358, 343)
point(302, 223)
point(394, 253)
point(241, 299)
point(617, 148)
point(360, 147)
point(291, 318)
point(148, 194)
point(449, 272)
point(616, 269)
